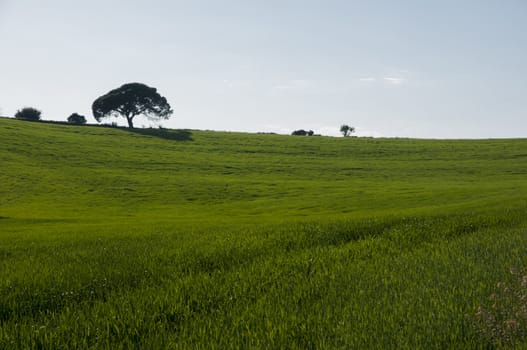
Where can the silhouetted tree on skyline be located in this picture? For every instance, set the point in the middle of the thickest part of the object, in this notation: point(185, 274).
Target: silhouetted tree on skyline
point(77, 119)
point(346, 130)
point(28, 113)
point(131, 100)
point(302, 132)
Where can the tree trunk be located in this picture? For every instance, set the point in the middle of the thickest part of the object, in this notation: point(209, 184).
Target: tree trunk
point(130, 122)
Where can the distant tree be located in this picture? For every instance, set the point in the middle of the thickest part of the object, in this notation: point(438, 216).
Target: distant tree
point(303, 132)
point(131, 100)
point(346, 130)
point(28, 113)
point(77, 119)
point(300, 132)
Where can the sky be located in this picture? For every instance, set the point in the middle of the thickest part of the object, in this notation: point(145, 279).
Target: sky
point(406, 68)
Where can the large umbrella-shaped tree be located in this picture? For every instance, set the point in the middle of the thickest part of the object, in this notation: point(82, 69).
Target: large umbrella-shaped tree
point(131, 100)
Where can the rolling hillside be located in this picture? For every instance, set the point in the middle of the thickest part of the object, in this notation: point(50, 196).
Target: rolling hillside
point(155, 238)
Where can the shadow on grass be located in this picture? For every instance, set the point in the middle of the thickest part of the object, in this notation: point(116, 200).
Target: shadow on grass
point(167, 134)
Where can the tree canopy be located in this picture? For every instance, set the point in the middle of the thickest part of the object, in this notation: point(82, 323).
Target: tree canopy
point(28, 113)
point(303, 132)
point(346, 130)
point(131, 100)
point(76, 119)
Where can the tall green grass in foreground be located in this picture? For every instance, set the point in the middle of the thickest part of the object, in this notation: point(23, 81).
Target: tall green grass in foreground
point(189, 239)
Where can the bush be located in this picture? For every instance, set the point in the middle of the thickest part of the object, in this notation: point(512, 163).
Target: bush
point(28, 113)
point(302, 132)
point(77, 119)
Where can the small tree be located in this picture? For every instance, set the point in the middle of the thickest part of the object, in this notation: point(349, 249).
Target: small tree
point(28, 113)
point(346, 130)
point(131, 100)
point(77, 119)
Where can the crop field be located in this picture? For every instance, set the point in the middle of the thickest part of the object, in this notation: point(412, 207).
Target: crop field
point(182, 239)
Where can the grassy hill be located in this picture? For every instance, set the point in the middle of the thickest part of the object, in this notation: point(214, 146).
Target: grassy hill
point(155, 238)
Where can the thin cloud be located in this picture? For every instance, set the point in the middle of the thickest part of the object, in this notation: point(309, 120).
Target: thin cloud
point(394, 81)
point(297, 86)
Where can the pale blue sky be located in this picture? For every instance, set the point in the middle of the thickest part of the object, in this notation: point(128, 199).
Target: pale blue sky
point(441, 69)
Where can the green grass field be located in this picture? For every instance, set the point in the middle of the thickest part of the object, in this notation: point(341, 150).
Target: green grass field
point(183, 239)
